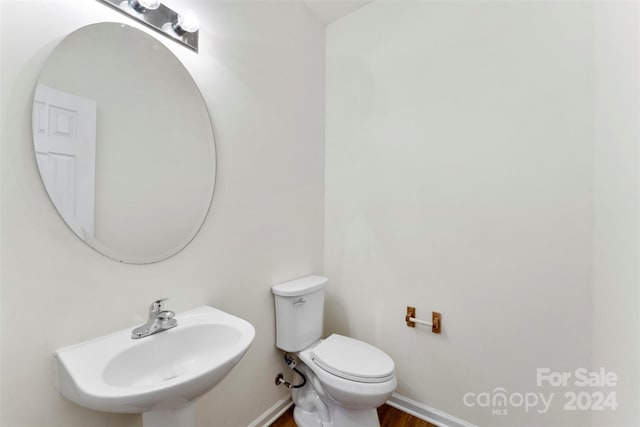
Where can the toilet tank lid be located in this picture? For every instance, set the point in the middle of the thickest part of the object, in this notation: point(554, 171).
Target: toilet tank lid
point(298, 287)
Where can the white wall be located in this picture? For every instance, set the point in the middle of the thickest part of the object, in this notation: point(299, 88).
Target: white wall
point(459, 179)
point(616, 322)
point(261, 70)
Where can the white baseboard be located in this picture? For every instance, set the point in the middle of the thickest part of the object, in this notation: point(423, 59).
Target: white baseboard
point(273, 413)
point(425, 412)
point(398, 401)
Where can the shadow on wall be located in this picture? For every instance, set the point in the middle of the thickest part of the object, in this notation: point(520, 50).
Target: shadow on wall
point(336, 319)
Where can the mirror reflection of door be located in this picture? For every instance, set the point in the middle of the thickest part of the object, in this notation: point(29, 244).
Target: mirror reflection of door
point(134, 182)
point(64, 127)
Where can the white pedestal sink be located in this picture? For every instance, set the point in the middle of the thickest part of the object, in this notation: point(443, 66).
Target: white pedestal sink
point(159, 376)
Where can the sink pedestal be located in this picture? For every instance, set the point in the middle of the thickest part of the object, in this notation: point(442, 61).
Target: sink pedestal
point(184, 417)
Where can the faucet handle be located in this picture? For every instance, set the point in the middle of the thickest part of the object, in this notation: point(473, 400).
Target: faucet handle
point(156, 306)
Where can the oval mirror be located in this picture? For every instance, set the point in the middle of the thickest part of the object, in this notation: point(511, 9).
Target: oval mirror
point(124, 143)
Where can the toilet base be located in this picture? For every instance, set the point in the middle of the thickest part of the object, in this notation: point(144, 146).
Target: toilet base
point(340, 417)
point(315, 408)
point(308, 419)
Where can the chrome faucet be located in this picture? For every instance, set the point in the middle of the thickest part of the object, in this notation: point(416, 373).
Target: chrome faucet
point(159, 320)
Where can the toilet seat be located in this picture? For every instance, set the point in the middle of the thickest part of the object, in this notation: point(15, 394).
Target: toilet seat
point(353, 360)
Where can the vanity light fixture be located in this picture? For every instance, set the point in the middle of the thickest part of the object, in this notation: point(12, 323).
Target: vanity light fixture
point(144, 5)
point(187, 22)
point(181, 27)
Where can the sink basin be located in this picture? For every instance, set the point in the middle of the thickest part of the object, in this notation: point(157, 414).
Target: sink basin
point(162, 372)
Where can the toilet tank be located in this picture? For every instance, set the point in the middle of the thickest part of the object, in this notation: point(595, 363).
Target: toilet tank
point(299, 309)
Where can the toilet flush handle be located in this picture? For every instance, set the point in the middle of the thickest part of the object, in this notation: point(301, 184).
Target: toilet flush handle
point(300, 301)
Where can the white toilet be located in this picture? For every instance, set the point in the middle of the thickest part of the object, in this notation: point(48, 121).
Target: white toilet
point(345, 380)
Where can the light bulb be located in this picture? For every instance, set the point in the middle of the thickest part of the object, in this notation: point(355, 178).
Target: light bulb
point(144, 5)
point(187, 22)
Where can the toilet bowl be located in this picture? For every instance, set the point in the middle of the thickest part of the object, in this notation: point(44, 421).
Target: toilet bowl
point(345, 379)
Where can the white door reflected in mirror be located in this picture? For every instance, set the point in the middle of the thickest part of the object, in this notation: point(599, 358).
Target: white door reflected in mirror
point(124, 143)
point(64, 136)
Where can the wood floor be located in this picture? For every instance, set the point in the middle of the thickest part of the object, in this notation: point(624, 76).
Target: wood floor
point(389, 417)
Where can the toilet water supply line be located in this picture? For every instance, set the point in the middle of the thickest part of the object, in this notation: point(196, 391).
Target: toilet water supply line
point(291, 363)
